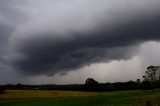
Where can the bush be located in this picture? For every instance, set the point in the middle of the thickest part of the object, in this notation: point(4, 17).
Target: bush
point(2, 89)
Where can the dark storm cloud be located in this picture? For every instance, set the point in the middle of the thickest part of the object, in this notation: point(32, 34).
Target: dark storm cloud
point(39, 47)
point(5, 31)
point(6, 28)
point(10, 17)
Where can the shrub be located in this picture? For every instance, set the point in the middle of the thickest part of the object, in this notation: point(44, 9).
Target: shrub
point(2, 89)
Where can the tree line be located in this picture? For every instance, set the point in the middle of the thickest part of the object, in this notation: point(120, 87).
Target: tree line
point(151, 81)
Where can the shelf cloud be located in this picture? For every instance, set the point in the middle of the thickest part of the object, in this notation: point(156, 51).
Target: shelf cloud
point(46, 37)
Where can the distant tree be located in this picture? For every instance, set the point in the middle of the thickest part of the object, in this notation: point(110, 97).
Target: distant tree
point(158, 77)
point(145, 85)
point(131, 85)
point(110, 86)
point(138, 81)
point(152, 76)
point(2, 89)
point(91, 84)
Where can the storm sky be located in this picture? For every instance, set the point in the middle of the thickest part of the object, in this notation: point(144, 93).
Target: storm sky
point(67, 41)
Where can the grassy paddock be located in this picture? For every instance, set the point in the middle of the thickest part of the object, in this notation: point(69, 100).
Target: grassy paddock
point(74, 98)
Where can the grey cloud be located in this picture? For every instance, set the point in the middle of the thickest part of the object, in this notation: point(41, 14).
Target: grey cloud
point(10, 17)
point(5, 31)
point(49, 45)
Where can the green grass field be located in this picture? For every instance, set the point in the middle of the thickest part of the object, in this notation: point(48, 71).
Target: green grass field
point(73, 98)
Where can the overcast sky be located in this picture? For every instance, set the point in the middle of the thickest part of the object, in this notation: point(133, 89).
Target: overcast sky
point(67, 41)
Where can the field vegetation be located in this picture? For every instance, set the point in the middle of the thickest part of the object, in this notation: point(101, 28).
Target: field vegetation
point(76, 98)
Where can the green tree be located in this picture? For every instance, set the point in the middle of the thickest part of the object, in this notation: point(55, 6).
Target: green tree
point(152, 76)
point(91, 84)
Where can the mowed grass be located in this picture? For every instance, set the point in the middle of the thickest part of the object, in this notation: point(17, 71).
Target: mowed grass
point(75, 98)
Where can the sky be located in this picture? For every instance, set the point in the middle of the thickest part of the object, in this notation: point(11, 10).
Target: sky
point(68, 41)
